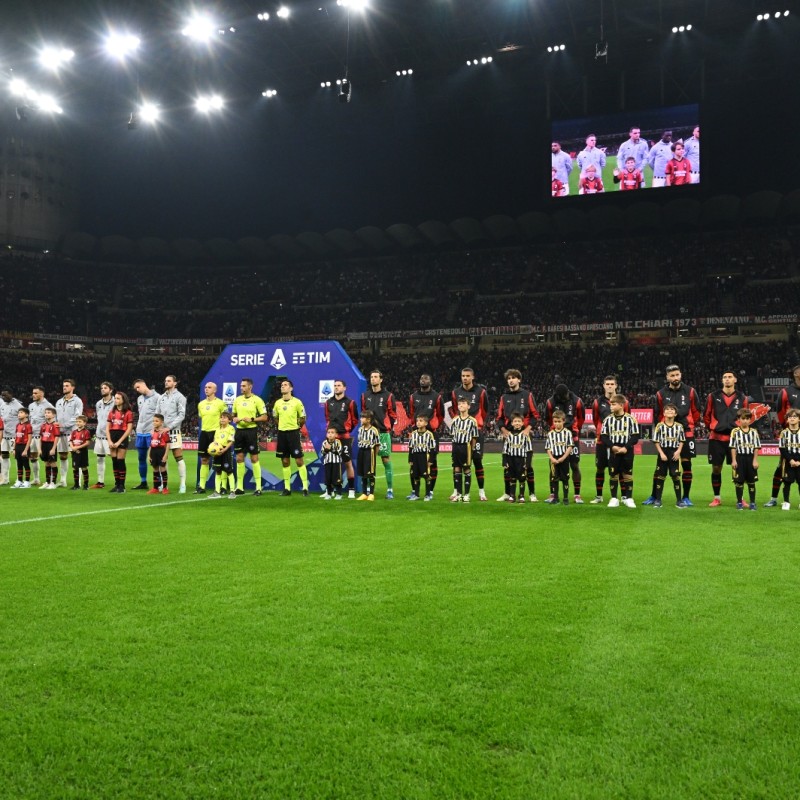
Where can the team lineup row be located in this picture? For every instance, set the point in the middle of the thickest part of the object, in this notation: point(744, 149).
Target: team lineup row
point(45, 433)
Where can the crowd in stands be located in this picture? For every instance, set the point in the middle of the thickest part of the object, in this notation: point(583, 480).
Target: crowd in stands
point(661, 277)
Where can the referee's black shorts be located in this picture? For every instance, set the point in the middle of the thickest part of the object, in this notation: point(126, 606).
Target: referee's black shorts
point(246, 441)
point(289, 444)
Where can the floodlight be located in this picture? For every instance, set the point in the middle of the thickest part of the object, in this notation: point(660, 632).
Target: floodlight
point(563, 47)
point(356, 5)
point(283, 12)
point(345, 90)
point(200, 27)
point(121, 45)
point(760, 17)
point(411, 72)
point(208, 103)
point(149, 113)
point(688, 27)
point(47, 103)
point(55, 57)
point(269, 92)
point(263, 16)
point(675, 29)
point(18, 87)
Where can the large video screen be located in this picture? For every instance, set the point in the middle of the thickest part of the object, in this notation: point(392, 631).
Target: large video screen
point(626, 151)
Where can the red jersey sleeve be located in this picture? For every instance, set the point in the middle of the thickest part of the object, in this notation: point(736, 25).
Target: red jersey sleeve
point(533, 412)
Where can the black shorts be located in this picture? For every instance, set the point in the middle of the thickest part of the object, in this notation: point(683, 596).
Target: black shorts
point(203, 441)
point(80, 458)
point(689, 449)
point(601, 456)
point(574, 459)
point(719, 453)
point(419, 465)
point(18, 448)
point(289, 444)
point(670, 465)
point(790, 474)
point(620, 463)
point(559, 473)
point(745, 472)
point(246, 441)
point(366, 462)
point(347, 448)
point(477, 450)
point(462, 455)
point(515, 468)
point(48, 452)
point(157, 455)
point(224, 462)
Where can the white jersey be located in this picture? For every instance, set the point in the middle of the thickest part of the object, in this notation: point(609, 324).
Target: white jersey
point(102, 410)
point(172, 406)
point(67, 411)
point(36, 411)
point(8, 413)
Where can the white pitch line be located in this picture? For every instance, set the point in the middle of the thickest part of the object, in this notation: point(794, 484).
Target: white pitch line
point(100, 511)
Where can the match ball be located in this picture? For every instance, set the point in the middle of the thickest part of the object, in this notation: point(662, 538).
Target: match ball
point(214, 449)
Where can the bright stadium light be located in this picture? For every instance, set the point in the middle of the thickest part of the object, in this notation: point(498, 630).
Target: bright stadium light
point(356, 5)
point(200, 28)
point(54, 58)
point(263, 16)
point(46, 103)
point(18, 87)
point(283, 12)
point(149, 113)
point(121, 45)
point(269, 93)
point(208, 103)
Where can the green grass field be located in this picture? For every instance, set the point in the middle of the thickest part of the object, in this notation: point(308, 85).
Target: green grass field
point(294, 648)
point(607, 176)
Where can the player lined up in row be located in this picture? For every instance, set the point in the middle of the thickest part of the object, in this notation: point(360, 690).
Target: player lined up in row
point(673, 163)
point(115, 427)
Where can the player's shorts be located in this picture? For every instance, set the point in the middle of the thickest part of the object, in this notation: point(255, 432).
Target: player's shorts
point(124, 444)
point(791, 474)
point(559, 473)
point(658, 182)
point(477, 450)
point(7, 445)
point(515, 467)
point(143, 441)
point(101, 446)
point(62, 443)
point(689, 449)
point(36, 446)
point(347, 448)
point(203, 441)
point(246, 441)
point(695, 177)
point(462, 455)
point(745, 472)
point(574, 459)
point(719, 453)
point(223, 462)
point(80, 458)
point(175, 440)
point(601, 456)
point(289, 444)
point(620, 464)
point(157, 456)
point(385, 450)
point(670, 465)
point(366, 462)
point(48, 451)
point(18, 448)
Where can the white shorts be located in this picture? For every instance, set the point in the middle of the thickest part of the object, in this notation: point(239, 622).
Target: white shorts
point(7, 445)
point(658, 182)
point(101, 446)
point(175, 440)
point(62, 445)
point(695, 177)
point(35, 446)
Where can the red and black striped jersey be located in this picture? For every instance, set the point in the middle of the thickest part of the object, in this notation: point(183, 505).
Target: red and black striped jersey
point(79, 436)
point(49, 431)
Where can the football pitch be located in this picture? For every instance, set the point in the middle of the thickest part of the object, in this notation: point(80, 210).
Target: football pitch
point(177, 647)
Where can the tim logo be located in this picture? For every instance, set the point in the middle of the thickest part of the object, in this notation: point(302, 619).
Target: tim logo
point(325, 391)
point(278, 360)
point(312, 357)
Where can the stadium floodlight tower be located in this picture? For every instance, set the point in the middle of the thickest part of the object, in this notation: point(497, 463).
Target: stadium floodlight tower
point(312, 367)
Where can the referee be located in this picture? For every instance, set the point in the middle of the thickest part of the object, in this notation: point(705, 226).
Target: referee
point(290, 414)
